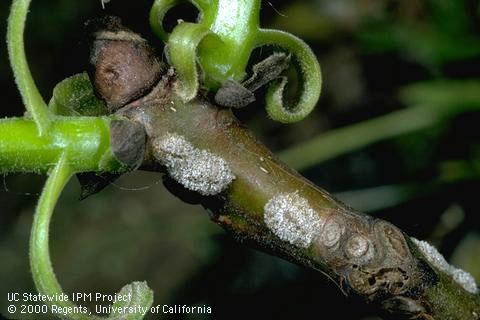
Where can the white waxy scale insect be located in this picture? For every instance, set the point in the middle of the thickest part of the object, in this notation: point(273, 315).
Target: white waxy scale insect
point(195, 169)
point(463, 278)
point(292, 219)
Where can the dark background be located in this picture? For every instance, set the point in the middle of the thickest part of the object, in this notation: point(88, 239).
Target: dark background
point(426, 182)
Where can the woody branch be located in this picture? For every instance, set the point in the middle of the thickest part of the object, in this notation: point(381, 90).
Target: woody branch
point(212, 160)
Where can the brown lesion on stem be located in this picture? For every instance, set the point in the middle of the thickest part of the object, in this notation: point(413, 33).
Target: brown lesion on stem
point(367, 257)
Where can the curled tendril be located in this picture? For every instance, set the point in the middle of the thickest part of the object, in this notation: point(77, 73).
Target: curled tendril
point(161, 7)
point(224, 56)
point(33, 101)
point(182, 53)
point(41, 265)
point(157, 13)
point(310, 70)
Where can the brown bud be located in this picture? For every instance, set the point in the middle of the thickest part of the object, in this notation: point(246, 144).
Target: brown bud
point(125, 66)
point(359, 249)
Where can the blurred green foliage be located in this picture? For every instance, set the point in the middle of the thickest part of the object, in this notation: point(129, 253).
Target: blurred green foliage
point(430, 33)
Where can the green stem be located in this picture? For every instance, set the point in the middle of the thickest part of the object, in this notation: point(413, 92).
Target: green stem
point(86, 140)
point(236, 23)
point(32, 99)
point(236, 26)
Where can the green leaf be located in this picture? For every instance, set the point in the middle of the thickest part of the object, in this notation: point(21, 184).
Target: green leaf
point(75, 96)
point(134, 308)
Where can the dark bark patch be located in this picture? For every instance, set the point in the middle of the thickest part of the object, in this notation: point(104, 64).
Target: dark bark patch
point(127, 140)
